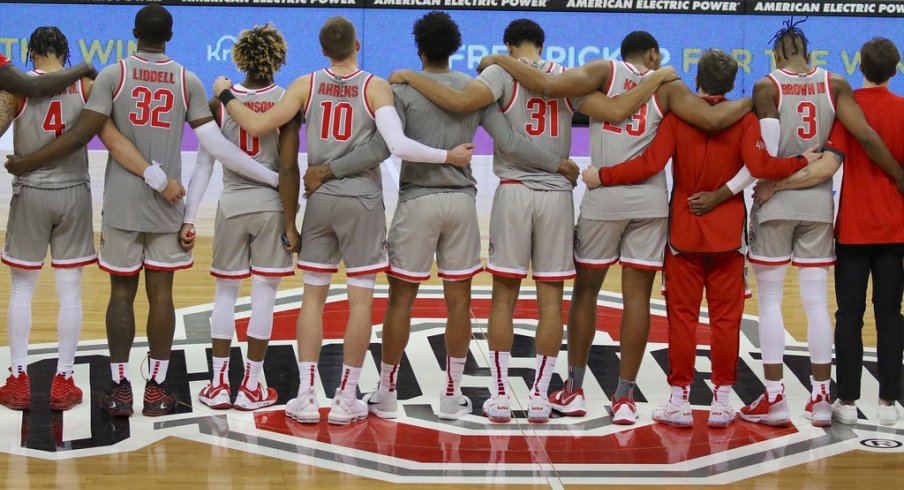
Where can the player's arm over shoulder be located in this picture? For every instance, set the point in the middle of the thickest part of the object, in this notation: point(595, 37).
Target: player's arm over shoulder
point(570, 83)
point(378, 93)
point(9, 104)
point(677, 97)
point(765, 97)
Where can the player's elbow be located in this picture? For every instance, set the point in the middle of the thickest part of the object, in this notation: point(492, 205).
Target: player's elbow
point(256, 129)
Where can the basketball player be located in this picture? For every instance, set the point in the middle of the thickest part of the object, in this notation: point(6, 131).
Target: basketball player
point(249, 223)
point(50, 206)
point(148, 96)
point(703, 250)
point(797, 105)
point(622, 223)
point(533, 212)
point(437, 213)
point(344, 218)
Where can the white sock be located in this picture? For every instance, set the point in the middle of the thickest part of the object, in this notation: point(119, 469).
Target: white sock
point(252, 374)
point(770, 283)
point(813, 296)
point(722, 393)
point(69, 322)
point(220, 371)
point(545, 367)
point(158, 369)
point(119, 371)
point(263, 296)
point(349, 383)
point(455, 370)
point(680, 395)
point(819, 388)
point(222, 318)
point(774, 389)
point(388, 373)
point(499, 362)
point(22, 288)
point(307, 374)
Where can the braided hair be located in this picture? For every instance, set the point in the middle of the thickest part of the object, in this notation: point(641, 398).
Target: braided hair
point(48, 40)
point(791, 32)
point(260, 52)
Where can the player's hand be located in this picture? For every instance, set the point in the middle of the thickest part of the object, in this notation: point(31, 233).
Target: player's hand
point(763, 191)
point(400, 76)
point(460, 156)
point(666, 74)
point(292, 241)
point(570, 170)
point(221, 84)
point(174, 192)
point(812, 154)
point(591, 177)
point(187, 236)
point(314, 177)
point(16, 165)
point(486, 61)
point(89, 70)
point(703, 202)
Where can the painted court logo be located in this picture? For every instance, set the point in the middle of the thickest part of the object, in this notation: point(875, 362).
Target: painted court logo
point(420, 448)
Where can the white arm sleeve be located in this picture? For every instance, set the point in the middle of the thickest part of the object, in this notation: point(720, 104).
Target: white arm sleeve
point(390, 127)
point(740, 181)
point(200, 178)
point(232, 157)
point(771, 132)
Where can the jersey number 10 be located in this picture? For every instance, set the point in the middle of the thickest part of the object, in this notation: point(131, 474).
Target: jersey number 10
point(337, 120)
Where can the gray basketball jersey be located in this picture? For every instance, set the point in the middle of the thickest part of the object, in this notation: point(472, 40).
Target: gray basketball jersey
point(338, 119)
point(241, 195)
point(149, 97)
point(37, 123)
point(806, 114)
point(613, 143)
point(546, 121)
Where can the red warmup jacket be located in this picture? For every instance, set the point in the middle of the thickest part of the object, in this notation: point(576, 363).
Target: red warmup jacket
point(870, 209)
point(704, 162)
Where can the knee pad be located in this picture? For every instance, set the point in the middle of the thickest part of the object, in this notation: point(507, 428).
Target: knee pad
point(263, 296)
point(69, 286)
point(312, 278)
point(366, 282)
point(222, 320)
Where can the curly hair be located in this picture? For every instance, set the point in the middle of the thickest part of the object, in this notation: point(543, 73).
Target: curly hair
point(790, 36)
point(260, 52)
point(437, 36)
point(46, 41)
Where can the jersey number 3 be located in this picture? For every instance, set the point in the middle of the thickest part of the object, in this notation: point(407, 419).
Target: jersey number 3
point(53, 121)
point(807, 112)
point(162, 100)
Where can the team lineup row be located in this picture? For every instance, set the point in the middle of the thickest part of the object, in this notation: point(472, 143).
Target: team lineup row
point(641, 117)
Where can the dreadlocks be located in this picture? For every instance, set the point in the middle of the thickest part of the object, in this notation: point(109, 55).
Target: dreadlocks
point(792, 33)
point(260, 52)
point(46, 41)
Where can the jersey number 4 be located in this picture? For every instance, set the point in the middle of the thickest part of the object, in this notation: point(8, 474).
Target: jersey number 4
point(162, 102)
point(53, 120)
point(635, 126)
point(807, 112)
point(542, 112)
point(337, 120)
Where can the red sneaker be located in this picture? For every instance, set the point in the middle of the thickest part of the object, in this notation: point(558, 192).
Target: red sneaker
point(16, 393)
point(63, 393)
point(762, 411)
point(568, 404)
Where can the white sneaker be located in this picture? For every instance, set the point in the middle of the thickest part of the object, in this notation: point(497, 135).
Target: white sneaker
point(568, 404)
point(721, 414)
point(674, 415)
point(624, 411)
point(888, 414)
point(216, 397)
point(498, 409)
point(252, 400)
point(454, 407)
point(819, 411)
point(846, 414)
point(345, 411)
point(304, 408)
point(538, 410)
point(383, 404)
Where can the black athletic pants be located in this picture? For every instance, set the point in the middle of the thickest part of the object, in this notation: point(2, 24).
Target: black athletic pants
point(855, 264)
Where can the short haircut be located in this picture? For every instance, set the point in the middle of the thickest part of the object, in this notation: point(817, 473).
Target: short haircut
point(716, 72)
point(436, 36)
point(524, 30)
point(638, 42)
point(48, 40)
point(153, 23)
point(879, 59)
point(260, 52)
point(337, 38)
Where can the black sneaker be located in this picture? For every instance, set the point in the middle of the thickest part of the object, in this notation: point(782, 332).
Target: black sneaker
point(117, 402)
point(157, 401)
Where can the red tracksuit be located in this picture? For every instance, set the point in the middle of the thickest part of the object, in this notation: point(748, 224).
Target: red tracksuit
point(704, 251)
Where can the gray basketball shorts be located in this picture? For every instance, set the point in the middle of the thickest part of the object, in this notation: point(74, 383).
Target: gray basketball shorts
point(801, 243)
point(250, 244)
point(60, 218)
point(125, 252)
point(638, 243)
point(342, 228)
point(531, 227)
point(442, 224)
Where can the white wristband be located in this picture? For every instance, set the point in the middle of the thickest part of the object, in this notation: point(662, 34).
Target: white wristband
point(155, 177)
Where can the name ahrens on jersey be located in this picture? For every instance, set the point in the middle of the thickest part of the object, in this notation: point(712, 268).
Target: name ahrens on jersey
point(335, 90)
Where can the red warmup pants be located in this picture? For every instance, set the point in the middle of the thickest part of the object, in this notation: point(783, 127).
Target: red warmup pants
point(686, 276)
